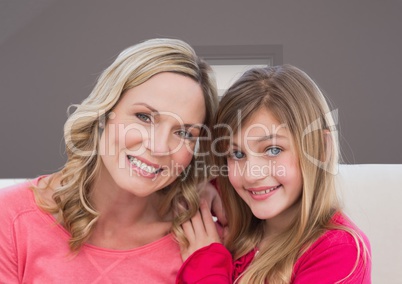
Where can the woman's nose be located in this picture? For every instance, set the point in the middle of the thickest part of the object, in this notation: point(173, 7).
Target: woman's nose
point(158, 141)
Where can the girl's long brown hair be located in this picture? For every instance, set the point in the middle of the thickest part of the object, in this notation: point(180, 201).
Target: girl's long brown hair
point(296, 101)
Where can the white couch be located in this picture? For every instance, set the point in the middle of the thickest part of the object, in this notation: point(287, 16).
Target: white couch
point(372, 196)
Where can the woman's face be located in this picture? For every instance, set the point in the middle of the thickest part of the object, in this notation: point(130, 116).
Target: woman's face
point(264, 168)
point(150, 135)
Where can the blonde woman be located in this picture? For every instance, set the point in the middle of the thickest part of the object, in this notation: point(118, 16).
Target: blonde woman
point(113, 213)
point(277, 148)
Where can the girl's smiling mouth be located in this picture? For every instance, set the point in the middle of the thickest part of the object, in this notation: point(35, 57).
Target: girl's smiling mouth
point(263, 192)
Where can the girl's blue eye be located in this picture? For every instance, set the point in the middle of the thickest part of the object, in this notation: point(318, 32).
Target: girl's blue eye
point(274, 151)
point(237, 155)
point(144, 117)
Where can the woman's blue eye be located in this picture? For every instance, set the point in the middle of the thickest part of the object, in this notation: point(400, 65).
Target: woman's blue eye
point(185, 134)
point(144, 117)
point(274, 151)
point(237, 155)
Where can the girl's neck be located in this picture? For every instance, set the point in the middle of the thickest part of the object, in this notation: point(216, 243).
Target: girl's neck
point(280, 223)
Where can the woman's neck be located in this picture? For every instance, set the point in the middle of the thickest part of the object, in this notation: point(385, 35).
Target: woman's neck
point(125, 220)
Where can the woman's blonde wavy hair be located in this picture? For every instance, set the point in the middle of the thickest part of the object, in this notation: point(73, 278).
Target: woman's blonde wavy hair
point(296, 101)
point(82, 131)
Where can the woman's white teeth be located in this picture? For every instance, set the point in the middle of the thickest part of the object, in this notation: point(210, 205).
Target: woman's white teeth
point(264, 191)
point(142, 166)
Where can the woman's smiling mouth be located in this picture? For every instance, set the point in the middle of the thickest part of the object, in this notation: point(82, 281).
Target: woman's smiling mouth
point(150, 169)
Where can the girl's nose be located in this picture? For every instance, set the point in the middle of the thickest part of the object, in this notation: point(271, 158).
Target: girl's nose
point(255, 170)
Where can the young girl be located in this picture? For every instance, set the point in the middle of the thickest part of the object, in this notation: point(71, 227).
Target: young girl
point(276, 146)
point(112, 214)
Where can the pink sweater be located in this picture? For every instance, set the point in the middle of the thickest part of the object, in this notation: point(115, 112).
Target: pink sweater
point(34, 249)
point(328, 260)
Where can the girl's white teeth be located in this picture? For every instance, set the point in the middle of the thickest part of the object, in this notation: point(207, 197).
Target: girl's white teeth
point(264, 191)
point(142, 166)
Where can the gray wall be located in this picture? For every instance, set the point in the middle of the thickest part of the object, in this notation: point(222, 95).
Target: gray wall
point(51, 53)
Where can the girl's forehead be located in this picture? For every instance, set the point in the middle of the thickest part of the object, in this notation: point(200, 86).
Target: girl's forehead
point(262, 123)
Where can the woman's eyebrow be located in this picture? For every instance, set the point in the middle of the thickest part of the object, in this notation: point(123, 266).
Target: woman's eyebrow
point(195, 125)
point(187, 125)
point(147, 106)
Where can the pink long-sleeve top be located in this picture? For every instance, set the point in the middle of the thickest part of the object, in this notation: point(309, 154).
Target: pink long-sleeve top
point(330, 258)
point(34, 249)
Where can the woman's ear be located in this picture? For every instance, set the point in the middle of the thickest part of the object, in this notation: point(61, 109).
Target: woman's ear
point(327, 142)
point(102, 122)
point(326, 134)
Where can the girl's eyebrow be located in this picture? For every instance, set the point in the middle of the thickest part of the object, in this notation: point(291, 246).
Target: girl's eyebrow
point(265, 138)
point(271, 137)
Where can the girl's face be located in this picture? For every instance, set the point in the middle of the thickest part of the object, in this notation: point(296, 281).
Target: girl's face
point(264, 168)
point(150, 135)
